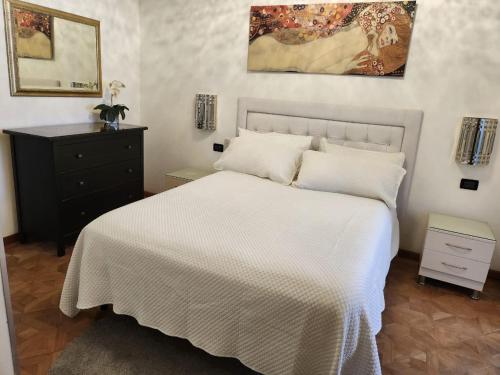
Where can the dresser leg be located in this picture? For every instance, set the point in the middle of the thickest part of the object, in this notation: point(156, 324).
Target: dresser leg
point(421, 280)
point(476, 294)
point(61, 248)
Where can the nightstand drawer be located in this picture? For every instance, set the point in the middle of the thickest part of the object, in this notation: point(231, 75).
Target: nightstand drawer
point(456, 266)
point(183, 176)
point(173, 182)
point(460, 246)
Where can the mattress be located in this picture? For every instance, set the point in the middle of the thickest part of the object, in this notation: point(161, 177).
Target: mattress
point(288, 281)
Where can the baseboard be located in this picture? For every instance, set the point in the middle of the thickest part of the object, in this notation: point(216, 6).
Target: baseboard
point(148, 194)
point(9, 240)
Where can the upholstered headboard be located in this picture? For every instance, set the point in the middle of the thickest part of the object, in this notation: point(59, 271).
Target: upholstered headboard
point(388, 130)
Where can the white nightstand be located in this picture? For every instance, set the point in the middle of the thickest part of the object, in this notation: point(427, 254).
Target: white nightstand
point(183, 176)
point(457, 251)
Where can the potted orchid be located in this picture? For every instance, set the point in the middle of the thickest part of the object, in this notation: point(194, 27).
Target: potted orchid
point(111, 113)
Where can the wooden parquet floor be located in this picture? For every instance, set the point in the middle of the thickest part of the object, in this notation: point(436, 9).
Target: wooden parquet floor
point(36, 278)
point(431, 329)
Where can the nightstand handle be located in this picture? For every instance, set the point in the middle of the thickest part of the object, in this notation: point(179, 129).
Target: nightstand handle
point(452, 266)
point(458, 247)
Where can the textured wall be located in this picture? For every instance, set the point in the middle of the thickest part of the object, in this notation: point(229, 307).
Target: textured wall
point(190, 47)
point(120, 43)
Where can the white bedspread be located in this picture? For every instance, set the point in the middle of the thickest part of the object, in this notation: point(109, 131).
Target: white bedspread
point(288, 281)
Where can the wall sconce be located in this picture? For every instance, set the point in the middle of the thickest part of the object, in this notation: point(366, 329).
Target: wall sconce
point(475, 144)
point(206, 112)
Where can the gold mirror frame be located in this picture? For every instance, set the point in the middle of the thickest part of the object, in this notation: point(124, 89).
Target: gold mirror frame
point(15, 87)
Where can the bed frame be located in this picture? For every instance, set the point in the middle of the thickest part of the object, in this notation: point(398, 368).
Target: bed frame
point(381, 129)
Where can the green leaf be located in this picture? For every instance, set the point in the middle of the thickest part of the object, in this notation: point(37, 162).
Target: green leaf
point(122, 112)
point(103, 107)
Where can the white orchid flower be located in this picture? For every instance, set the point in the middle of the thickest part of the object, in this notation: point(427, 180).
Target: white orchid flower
point(114, 88)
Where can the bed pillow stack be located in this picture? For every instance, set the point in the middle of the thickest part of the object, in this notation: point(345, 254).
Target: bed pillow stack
point(363, 173)
point(397, 158)
point(336, 169)
point(269, 155)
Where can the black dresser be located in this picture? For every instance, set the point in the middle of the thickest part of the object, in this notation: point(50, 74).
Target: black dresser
point(67, 175)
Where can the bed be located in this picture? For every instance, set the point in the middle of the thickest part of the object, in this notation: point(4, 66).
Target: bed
point(289, 281)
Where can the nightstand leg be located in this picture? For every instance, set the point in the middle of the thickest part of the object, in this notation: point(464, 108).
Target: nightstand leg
point(421, 280)
point(476, 294)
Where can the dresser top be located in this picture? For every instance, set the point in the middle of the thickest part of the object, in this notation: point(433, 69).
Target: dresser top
point(462, 226)
point(61, 131)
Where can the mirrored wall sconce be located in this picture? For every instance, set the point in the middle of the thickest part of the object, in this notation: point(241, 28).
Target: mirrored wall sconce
point(206, 112)
point(475, 144)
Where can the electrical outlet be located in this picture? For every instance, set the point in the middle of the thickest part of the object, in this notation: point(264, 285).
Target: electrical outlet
point(469, 184)
point(218, 147)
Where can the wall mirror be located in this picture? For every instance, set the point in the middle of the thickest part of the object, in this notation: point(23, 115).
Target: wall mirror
point(50, 52)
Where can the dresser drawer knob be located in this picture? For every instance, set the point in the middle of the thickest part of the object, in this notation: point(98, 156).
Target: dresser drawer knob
point(455, 267)
point(130, 170)
point(83, 213)
point(129, 147)
point(79, 156)
point(81, 183)
point(456, 247)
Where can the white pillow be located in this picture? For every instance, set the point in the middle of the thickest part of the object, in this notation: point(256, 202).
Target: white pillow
point(397, 158)
point(355, 176)
point(261, 157)
point(302, 141)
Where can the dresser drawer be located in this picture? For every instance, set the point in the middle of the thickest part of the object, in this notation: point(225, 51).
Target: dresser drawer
point(456, 266)
point(78, 212)
point(88, 154)
point(90, 180)
point(460, 246)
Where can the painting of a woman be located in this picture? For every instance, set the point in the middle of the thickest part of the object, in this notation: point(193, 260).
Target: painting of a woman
point(33, 33)
point(369, 38)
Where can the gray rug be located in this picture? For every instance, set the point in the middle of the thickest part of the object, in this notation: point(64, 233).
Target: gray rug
point(119, 345)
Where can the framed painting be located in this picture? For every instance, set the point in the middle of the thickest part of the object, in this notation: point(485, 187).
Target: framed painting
point(34, 33)
point(338, 38)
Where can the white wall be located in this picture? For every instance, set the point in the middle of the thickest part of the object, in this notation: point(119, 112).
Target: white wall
point(120, 43)
point(191, 47)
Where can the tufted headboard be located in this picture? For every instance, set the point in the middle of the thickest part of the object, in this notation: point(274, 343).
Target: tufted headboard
point(387, 130)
